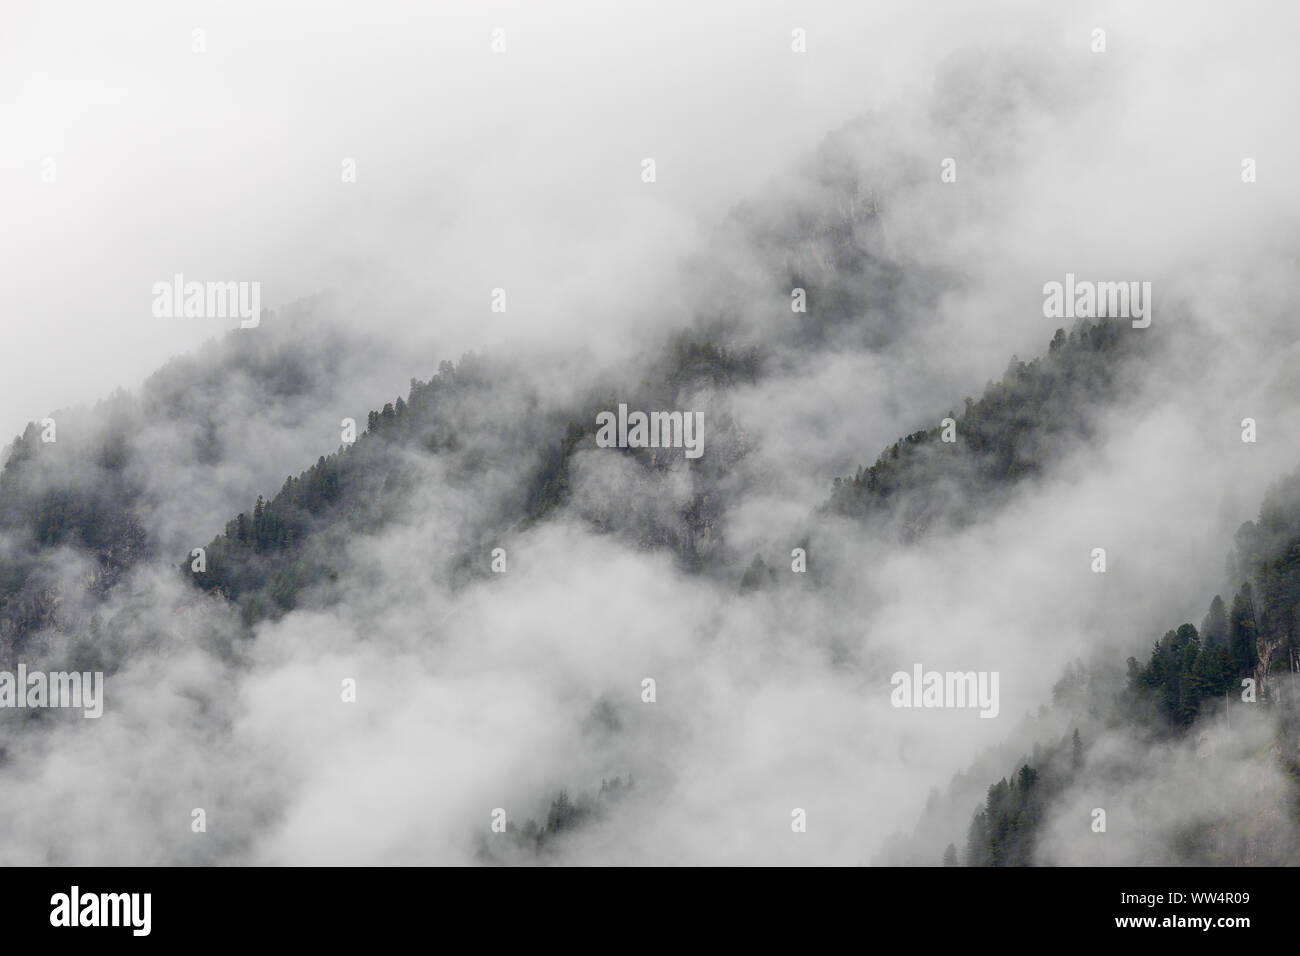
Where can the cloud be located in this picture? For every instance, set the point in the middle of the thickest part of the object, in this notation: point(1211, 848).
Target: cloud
point(522, 171)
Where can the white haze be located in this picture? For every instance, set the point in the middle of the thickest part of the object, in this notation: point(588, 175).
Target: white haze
point(522, 171)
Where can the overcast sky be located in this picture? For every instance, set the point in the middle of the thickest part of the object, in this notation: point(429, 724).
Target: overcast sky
point(521, 170)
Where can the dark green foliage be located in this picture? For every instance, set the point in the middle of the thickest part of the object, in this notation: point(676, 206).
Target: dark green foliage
point(757, 575)
point(1004, 830)
point(1182, 672)
point(550, 487)
point(90, 490)
point(693, 362)
point(1214, 629)
point(1264, 618)
point(1186, 668)
point(267, 556)
point(265, 559)
point(686, 363)
point(1070, 688)
point(1243, 635)
point(566, 815)
point(75, 492)
point(1188, 673)
point(76, 498)
point(1006, 435)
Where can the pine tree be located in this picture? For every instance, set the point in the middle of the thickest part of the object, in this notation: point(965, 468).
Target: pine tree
point(1242, 632)
point(977, 840)
point(755, 575)
point(1214, 629)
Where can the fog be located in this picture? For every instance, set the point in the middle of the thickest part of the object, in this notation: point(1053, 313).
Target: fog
point(522, 171)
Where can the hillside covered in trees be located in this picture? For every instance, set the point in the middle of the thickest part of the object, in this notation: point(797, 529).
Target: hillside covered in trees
point(1243, 656)
point(92, 493)
point(1008, 435)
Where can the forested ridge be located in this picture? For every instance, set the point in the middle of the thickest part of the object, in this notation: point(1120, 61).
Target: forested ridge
point(1244, 654)
point(1002, 438)
point(79, 491)
point(290, 542)
point(508, 462)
